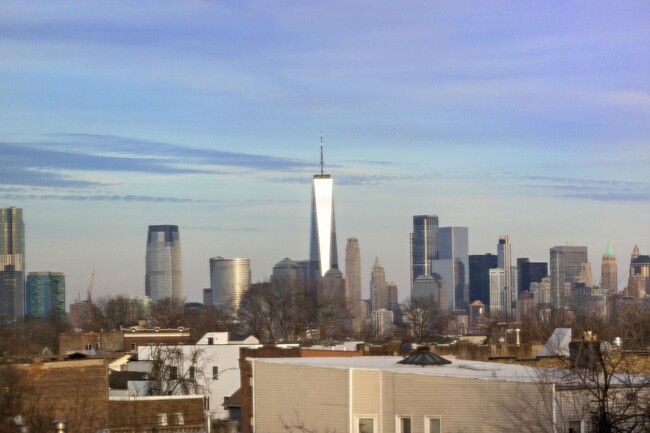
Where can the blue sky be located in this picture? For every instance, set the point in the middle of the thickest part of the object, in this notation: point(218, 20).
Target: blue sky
point(531, 119)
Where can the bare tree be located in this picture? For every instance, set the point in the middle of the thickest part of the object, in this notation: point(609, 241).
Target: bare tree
point(178, 370)
point(167, 313)
point(424, 317)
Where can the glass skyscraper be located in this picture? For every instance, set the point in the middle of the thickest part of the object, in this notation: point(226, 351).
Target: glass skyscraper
point(12, 266)
point(45, 295)
point(452, 264)
point(229, 281)
point(565, 265)
point(479, 276)
point(424, 248)
point(164, 269)
point(323, 254)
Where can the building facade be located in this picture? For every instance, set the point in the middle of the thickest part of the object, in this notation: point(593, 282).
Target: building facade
point(497, 291)
point(638, 285)
point(530, 272)
point(565, 265)
point(424, 248)
point(353, 277)
point(479, 276)
point(12, 266)
point(452, 264)
point(323, 254)
point(230, 279)
point(164, 268)
point(609, 271)
point(45, 295)
point(504, 256)
point(378, 287)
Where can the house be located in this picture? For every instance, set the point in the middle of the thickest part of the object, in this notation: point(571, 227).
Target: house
point(378, 394)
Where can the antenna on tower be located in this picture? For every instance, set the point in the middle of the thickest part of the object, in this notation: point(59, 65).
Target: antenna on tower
point(321, 153)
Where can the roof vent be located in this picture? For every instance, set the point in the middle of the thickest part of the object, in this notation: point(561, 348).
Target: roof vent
point(422, 356)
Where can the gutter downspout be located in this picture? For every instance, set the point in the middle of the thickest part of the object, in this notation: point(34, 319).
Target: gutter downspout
point(554, 408)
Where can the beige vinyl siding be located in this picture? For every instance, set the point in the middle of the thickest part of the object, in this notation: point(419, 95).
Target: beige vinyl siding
point(315, 397)
point(366, 394)
point(468, 405)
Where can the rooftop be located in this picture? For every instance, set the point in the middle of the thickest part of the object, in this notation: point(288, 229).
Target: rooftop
point(457, 368)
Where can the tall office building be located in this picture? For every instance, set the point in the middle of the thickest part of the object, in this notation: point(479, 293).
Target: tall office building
point(497, 292)
point(424, 248)
point(638, 284)
point(504, 254)
point(479, 276)
point(164, 269)
point(287, 271)
point(452, 264)
point(378, 287)
point(12, 266)
point(323, 254)
point(565, 266)
point(45, 295)
point(530, 272)
point(229, 281)
point(609, 271)
point(353, 277)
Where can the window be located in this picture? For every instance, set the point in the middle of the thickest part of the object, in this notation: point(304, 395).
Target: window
point(403, 424)
point(432, 424)
point(179, 419)
point(192, 373)
point(173, 372)
point(210, 341)
point(162, 419)
point(133, 347)
point(365, 424)
point(575, 427)
point(215, 373)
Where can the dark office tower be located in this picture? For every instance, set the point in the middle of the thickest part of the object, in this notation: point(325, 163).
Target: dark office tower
point(424, 248)
point(12, 266)
point(164, 277)
point(353, 277)
point(565, 265)
point(609, 271)
point(452, 264)
point(530, 272)
point(504, 254)
point(479, 276)
point(392, 296)
point(45, 295)
point(322, 242)
point(378, 287)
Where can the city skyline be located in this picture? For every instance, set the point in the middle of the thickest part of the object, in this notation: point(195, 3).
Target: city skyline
point(531, 120)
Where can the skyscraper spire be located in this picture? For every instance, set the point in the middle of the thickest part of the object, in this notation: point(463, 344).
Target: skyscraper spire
point(322, 171)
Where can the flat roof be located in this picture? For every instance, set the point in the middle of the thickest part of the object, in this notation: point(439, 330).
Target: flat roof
point(458, 368)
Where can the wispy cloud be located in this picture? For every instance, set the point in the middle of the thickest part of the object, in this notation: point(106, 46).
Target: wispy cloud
point(591, 189)
point(60, 160)
point(99, 197)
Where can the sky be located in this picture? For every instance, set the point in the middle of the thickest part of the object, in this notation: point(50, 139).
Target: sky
point(524, 118)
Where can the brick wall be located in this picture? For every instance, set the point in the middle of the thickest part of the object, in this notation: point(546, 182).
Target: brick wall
point(161, 414)
point(75, 391)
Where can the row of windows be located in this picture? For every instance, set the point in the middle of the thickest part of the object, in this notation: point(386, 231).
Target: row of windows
point(173, 372)
point(368, 424)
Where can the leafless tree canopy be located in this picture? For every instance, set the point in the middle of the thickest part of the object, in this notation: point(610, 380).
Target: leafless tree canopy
point(424, 318)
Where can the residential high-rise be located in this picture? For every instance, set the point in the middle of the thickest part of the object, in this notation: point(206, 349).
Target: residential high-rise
point(565, 265)
point(479, 276)
point(229, 281)
point(323, 254)
point(12, 266)
point(378, 287)
point(530, 272)
point(353, 277)
point(609, 271)
point(164, 269)
point(497, 292)
point(452, 264)
point(504, 255)
point(424, 248)
point(45, 295)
